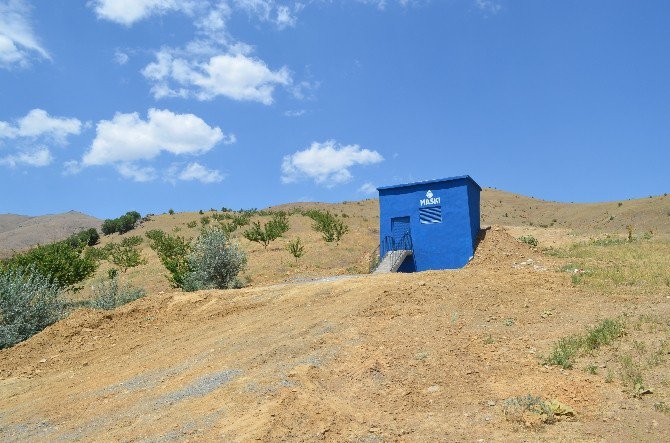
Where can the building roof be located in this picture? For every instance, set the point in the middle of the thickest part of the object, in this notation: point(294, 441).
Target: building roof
point(427, 182)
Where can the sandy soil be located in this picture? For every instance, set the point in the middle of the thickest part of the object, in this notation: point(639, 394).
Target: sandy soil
point(399, 357)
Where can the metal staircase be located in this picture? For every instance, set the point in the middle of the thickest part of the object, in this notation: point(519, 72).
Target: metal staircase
point(392, 252)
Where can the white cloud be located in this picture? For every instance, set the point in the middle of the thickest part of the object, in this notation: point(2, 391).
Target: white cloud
point(381, 4)
point(136, 173)
point(326, 163)
point(121, 57)
point(233, 75)
point(39, 157)
point(488, 6)
point(127, 138)
point(71, 167)
point(281, 16)
point(196, 171)
point(38, 123)
point(127, 12)
point(368, 188)
point(295, 113)
point(284, 17)
point(18, 42)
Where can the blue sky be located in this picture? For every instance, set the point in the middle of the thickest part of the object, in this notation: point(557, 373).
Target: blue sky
point(113, 105)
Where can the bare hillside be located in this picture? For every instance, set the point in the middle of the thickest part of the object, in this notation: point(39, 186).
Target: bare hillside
point(644, 214)
point(11, 221)
point(43, 229)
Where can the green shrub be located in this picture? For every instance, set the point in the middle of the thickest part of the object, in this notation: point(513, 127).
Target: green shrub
point(98, 254)
point(29, 302)
point(191, 224)
point(296, 248)
point(529, 240)
point(89, 237)
point(134, 240)
point(242, 219)
point(608, 240)
point(173, 252)
point(204, 221)
point(62, 263)
point(125, 255)
point(121, 224)
point(214, 262)
point(110, 294)
point(271, 231)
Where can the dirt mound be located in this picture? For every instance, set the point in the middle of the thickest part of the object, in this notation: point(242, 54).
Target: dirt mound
point(497, 249)
point(395, 357)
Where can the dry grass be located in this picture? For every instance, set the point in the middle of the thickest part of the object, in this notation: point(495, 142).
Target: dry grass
point(640, 266)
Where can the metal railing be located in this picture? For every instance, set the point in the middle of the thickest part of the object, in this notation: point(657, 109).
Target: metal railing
point(394, 247)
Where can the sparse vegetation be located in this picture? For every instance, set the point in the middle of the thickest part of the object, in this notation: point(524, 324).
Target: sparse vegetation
point(638, 265)
point(529, 240)
point(191, 224)
point(528, 410)
point(567, 349)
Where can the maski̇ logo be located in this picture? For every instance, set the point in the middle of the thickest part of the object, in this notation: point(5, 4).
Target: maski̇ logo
point(430, 200)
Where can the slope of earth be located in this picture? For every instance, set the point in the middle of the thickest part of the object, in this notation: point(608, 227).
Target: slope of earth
point(44, 229)
point(396, 357)
point(11, 221)
point(525, 216)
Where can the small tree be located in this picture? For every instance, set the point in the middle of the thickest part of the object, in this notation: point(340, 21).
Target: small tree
point(171, 211)
point(121, 224)
point(126, 256)
point(62, 263)
point(296, 248)
point(88, 237)
point(173, 252)
point(331, 227)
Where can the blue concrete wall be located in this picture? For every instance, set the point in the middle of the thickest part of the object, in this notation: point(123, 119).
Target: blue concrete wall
point(446, 245)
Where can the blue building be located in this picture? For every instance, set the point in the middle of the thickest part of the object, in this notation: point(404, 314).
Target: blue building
point(425, 225)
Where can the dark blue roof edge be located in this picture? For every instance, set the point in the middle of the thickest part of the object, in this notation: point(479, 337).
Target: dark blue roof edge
point(425, 182)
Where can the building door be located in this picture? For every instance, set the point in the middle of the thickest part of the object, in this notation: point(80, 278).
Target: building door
point(399, 227)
